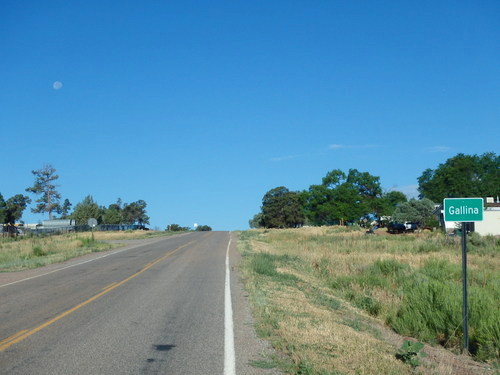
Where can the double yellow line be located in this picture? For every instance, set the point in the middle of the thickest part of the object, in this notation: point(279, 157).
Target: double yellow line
point(24, 334)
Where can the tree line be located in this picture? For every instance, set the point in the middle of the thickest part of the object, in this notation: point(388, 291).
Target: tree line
point(356, 196)
point(49, 201)
point(178, 228)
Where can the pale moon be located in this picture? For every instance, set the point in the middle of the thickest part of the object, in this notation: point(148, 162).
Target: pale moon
point(57, 85)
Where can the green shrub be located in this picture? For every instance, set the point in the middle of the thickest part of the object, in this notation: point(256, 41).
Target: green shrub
point(483, 245)
point(430, 311)
point(484, 324)
point(364, 302)
point(38, 251)
point(369, 304)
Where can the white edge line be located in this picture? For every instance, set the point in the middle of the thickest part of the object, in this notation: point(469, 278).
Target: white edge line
point(229, 355)
point(71, 265)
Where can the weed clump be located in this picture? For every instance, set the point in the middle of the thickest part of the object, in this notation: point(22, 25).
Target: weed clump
point(38, 251)
point(410, 353)
point(266, 264)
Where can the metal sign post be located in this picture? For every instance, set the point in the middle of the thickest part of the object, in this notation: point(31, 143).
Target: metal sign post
point(465, 308)
point(92, 223)
point(464, 210)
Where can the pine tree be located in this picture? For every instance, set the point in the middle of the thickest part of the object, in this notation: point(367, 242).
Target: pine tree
point(45, 187)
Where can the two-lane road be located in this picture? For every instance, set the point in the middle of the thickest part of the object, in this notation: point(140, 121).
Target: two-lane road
point(152, 308)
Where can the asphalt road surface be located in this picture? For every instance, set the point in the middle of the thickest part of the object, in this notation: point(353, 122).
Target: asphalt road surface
point(156, 306)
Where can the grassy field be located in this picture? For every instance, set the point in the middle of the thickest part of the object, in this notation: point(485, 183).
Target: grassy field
point(337, 301)
point(31, 252)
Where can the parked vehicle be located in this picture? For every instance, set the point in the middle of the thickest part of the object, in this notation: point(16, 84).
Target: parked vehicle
point(8, 230)
point(406, 227)
point(394, 228)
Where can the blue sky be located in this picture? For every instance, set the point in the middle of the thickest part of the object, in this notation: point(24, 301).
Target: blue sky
point(199, 108)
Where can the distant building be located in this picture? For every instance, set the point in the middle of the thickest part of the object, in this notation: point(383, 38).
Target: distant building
point(58, 223)
point(491, 218)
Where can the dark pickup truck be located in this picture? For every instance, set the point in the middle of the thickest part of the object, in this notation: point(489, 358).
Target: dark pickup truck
point(407, 227)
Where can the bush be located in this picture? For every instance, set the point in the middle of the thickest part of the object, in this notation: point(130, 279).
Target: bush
point(484, 245)
point(484, 331)
point(431, 311)
point(176, 228)
point(203, 228)
point(38, 251)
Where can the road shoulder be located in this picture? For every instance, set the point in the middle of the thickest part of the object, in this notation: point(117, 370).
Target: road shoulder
point(249, 348)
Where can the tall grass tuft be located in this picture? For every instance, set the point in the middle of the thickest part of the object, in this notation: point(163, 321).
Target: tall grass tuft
point(263, 264)
point(38, 251)
point(430, 311)
point(266, 264)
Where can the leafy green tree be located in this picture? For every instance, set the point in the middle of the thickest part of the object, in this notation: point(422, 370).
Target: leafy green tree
point(389, 201)
point(318, 205)
point(13, 208)
point(462, 176)
point(3, 212)
point(85, 210)
point(369, 191)
point(176, 228)
point(342, 198)
point(135, 212)
point(418, 211)
point(368, 186)
point(45, 187)
point(112, 214)
point(347, 204)
point(65, 208)
point(256, 221)
point(334, 179)
point(203, 228)
point(281, 208)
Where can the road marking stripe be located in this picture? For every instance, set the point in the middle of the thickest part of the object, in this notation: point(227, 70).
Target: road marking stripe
point(147, 265)
point(109, 286)
point(229, 356)
point(22, 335)
point(13, 337)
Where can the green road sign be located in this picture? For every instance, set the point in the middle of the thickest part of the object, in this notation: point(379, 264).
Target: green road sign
point(463, 209)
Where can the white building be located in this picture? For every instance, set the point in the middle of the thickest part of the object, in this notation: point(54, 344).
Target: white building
point(491, 219)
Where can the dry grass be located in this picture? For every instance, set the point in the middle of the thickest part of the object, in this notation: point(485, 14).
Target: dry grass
point(320, 331)
point(327, 342)
point(32, 252)
point(129, 235)
point(27, 253)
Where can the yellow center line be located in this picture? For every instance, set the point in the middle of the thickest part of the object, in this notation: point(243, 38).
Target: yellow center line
point(13, 337)
point(109, 286)
point(22, 335)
